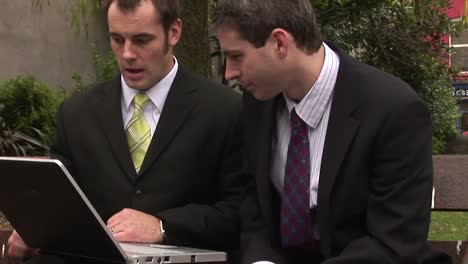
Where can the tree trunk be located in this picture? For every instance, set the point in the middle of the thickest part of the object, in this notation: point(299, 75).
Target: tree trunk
point(192, 51)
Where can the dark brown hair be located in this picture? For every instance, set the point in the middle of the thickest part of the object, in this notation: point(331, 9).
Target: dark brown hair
point(256, 19)
point(169, 10)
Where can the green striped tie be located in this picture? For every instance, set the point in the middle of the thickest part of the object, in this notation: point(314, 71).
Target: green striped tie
point(138, 131)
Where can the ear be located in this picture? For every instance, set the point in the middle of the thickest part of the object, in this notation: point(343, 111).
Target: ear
point(281, 41)
point(175, 32)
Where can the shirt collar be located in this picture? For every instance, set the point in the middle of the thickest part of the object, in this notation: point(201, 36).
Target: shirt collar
point(312, 107)
point(157, 93)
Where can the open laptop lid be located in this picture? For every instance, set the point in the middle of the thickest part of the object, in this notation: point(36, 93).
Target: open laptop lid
point(51, 212)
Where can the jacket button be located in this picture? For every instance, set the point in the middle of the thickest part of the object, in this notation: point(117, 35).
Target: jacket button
point(139, 192)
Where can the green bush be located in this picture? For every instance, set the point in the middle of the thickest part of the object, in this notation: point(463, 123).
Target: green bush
point(78, 83)
point(14, 143)
point(105, 64)
point(30, 106)
point(404, 38)
point(436, 91)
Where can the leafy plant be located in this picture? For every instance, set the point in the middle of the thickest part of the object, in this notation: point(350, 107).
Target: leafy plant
point(404, 38)
point(29, 107)
point(105, 67)
point(78, 83)
point(14, 143)
point(105, 64)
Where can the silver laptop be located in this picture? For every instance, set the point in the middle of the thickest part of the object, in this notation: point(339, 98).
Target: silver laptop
point(49, 211)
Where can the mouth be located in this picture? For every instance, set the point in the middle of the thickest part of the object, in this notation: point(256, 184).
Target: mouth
point(133, 70)
point(134, 73)
point(246, 85)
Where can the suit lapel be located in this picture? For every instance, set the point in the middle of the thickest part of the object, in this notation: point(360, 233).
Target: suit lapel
point(109, 112)
point(177, 107)
point(342, 127)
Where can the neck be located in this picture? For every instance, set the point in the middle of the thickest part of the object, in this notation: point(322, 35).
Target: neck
point(304, 73)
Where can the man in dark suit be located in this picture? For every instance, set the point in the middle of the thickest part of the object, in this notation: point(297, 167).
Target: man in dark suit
point(340, 151)
point(157, 149)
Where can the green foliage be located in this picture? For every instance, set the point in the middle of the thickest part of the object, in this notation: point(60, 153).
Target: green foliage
point(105, 68)
point(79, 85)
point(211, 6)
point(14, 143)
point(105, 64)
point(403, 38)
point(436, 90)
point(30, 106)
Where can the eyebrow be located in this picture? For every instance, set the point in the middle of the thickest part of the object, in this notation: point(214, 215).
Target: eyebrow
point(142, 34)
point(231, 52)
point(145, 35)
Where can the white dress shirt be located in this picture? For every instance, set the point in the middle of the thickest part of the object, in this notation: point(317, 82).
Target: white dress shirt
point(157, 94)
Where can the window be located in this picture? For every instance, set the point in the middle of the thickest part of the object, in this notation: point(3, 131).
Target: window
point(459, 55)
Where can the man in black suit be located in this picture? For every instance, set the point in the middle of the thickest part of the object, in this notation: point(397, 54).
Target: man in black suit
point(157, 149)
point(340, 151)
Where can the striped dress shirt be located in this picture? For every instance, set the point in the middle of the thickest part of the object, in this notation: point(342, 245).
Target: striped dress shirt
point(314, 110)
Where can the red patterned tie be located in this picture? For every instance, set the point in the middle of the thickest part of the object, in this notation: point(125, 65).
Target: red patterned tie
point(296, 224)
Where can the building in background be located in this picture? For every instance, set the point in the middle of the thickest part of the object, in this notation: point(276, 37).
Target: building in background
point(459, 59)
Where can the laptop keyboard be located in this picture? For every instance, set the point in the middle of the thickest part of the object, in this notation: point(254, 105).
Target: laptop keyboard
point(148, 250)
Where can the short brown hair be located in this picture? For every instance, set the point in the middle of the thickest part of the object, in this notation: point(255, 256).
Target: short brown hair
point(169, 10)
point(256, 19)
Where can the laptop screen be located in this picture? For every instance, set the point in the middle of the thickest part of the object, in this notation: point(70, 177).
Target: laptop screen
point(49, 211)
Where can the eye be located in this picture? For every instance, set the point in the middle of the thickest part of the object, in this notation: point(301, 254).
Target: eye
point(235, 57)
point(142, 40)
point(117, 39)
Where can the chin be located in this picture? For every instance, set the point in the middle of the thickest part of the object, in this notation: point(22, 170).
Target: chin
point(137, 85)
point(262, 97)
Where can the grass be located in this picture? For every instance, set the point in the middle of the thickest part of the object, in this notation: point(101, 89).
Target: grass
point(449, 226)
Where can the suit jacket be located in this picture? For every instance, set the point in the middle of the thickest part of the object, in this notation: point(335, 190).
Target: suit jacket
point(189, 177)
point(375, 182)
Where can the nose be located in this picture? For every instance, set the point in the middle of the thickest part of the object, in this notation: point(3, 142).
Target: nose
point(128, 53)
point(231, 73)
